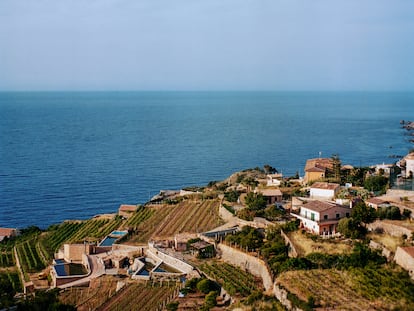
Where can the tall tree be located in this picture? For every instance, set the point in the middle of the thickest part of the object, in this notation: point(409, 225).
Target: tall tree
point(336, 167)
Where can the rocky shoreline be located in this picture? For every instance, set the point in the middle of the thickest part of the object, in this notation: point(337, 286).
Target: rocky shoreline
point(409, 126)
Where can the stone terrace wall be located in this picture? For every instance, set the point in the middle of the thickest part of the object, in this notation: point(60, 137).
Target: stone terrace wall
point(389, 228)
point(253, 265)
point(292, 250)
point(281, 294)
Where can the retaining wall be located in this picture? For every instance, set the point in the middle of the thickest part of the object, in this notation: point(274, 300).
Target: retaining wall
point(292, 250)
point(389, 228)
point(281, 294)
point(253, 265)
point(170, 260)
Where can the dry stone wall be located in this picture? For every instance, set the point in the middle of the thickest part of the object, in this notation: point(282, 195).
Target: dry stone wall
point(253, 265)
point(389, 228)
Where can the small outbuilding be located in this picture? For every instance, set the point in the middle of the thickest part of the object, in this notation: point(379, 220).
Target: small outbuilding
point(126, 210)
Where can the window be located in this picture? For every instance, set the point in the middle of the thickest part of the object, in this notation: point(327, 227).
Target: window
point(312, 216)
point(325, 217)
point(347, 214)
point(337, 216)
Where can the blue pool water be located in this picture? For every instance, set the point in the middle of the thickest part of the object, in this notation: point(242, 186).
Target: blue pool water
point(60, 270)
point(80, 154)
point(118, 233)
point(108, 241)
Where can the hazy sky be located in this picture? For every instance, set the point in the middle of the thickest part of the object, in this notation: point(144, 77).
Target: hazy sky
point(207, 45)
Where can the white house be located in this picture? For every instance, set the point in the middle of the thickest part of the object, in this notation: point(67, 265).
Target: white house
point(387, 169)
point(321, 217)
point(407, 165)
point(324, 190)
point(404, 256)
point(273, 179)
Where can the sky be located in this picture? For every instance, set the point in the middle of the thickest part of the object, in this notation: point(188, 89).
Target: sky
point(280, 45)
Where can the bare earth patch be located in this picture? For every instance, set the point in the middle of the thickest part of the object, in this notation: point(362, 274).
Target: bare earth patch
point(305, 245)
point(389, 241)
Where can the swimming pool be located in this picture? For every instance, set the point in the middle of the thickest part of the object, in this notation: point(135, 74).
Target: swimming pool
point(69, 269)
point(108, 241)
point(118, 233)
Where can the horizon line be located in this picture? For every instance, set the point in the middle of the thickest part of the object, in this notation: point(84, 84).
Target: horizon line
point(202, 91)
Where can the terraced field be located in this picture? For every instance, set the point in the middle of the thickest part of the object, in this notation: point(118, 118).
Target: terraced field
point(6, 259)
point(141, 296)
point(76, 231)
point(186, 216)
point(357, 289)
point(92, 297)
point(233, 279)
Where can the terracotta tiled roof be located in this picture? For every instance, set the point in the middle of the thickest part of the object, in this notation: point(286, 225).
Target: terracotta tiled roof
point(375, 201)
point(409, 250)
point(270, 192)
point(320, 206)
point(127, 208)
point(7, 231)
point(321, 163)
point(325, 185)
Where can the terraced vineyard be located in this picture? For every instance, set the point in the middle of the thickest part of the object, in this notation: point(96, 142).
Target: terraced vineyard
point(357, 289)
point(142, 214)
point(233, 279)
point(53, 239)
point(92, 297)
point(186, 216)
point(6, 259)
point(30, 257)
point(11, 276)
point(95, 228)
point(190, 217)
point(140, 296)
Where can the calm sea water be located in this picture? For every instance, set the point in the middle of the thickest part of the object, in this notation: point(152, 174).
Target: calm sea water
point(71, 155)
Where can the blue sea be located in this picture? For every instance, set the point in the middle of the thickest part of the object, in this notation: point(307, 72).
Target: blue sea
point(72, 155)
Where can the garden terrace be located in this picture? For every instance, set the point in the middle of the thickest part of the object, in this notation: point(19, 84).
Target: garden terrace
point(354, 289)
point(99, 291)
point(169, 219)
point(30, 257)
point(6, 259)
point(143, 296)
point(234, 280)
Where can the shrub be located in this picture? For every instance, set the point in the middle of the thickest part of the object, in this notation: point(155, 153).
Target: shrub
point(206, 286)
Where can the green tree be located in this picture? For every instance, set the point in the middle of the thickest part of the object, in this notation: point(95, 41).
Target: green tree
point(350, 228)
point(172, 306)
point(232, 196)
point(255, 201)
point(269, 169)
point(376, 183)
point(362, 213)
point(205, 286)
point(336, 167)
point(210, 300)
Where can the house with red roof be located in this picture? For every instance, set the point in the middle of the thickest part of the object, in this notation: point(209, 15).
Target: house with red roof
point(321, 217)
point(404, 257)
point(126, 210)
point(8, 233)
point(317, 169)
